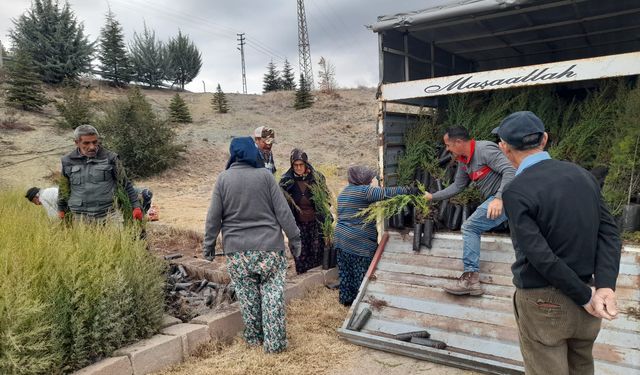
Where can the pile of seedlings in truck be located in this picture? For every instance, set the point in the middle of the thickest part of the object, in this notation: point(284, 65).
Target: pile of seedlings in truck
point(597, 128)
point(187, 298)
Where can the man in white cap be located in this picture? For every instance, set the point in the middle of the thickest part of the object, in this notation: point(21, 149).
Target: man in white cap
point(264, 138)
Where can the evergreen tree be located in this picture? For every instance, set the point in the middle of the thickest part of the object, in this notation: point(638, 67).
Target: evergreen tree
point(145, 144)
point(288, 78)
point(149, 58)
point(178, 110)
point(271, 79)
point(50, 34)
point(185, 59)
point(75, 108)
point(114, 61)
point(219, 101)
point(303, 95)
point(24, 89)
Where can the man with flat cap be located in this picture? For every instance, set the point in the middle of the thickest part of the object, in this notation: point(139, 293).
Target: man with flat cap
point(567, 252)
point(264, 138)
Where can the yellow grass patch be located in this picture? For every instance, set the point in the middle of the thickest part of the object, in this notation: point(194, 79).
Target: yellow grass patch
point(314, 346)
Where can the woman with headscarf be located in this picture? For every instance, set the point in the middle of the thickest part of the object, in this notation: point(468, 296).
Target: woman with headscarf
point(297, 183)
point(356, 241)
point(248, 207)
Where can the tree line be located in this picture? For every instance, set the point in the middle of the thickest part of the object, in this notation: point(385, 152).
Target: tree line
point(49, 41)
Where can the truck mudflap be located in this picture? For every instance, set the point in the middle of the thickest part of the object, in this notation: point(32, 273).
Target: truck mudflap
point(402, 289)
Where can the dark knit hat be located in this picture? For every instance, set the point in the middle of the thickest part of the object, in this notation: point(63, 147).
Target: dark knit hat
point(298, 154)
point(31, 193)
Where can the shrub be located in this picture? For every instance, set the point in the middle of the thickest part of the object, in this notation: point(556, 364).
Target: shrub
point(219, 101)
point(303, 98)
point(178, 110)
point(70, 295)
point(74, 109)
point(145, 143)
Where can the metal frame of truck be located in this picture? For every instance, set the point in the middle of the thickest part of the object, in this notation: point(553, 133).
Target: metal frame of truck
point(474, 45)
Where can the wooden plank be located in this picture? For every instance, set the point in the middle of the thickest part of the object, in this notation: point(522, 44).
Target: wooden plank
point(438, 282)
point(446, 263)
point(497, 366)
point(443, 273)
point(474, 345)
point(499, 316)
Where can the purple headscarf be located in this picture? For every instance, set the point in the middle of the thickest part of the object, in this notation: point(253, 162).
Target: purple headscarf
point(360, 175)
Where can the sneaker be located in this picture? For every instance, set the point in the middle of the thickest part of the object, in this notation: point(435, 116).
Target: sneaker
point(468, 283)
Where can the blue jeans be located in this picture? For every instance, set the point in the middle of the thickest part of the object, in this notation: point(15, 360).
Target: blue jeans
point(475, 225)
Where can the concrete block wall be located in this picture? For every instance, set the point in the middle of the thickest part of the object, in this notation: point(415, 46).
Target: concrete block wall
point(177, 340)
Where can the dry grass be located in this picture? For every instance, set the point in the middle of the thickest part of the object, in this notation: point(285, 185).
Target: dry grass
point(314, 347)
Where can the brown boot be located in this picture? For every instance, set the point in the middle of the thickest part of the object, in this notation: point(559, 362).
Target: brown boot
point(468, 283)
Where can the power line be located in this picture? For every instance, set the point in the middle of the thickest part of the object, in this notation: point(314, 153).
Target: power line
point(244, 76)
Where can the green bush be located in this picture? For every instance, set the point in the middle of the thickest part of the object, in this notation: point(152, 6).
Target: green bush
point(70, 295)
point(74, 109)
point(145, 143)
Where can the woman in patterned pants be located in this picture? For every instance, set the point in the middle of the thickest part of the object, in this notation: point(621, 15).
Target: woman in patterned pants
point(250, 211)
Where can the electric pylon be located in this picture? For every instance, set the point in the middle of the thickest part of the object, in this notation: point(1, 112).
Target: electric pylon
point(304, 52)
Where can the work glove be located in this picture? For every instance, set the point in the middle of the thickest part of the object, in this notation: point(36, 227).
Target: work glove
point(295, 247)
point(137, 213)
point(413, 190)
point(61, 215)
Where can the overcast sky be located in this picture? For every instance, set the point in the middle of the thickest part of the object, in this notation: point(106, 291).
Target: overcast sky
point(336, 32)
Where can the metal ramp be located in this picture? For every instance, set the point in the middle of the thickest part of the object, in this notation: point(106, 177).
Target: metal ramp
point(403, 291)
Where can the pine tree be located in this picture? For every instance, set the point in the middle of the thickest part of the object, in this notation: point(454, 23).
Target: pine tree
point(288, 78)
point(149, 58)
point(114, 61)
point(303, 95)
point(219, 101)
point(185, 59)
point(75, 108)
point(178, 110)
point(51, 35)
point(24, 89)
point(271, 79)
point(145, 144)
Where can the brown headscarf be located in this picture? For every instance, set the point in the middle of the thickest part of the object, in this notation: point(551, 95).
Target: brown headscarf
point(360, 175)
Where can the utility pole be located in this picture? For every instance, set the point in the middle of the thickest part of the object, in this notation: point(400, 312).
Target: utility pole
point(304, 52)
point(244, 76)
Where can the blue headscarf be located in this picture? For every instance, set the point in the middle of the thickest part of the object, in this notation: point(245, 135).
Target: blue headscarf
point(244, 150)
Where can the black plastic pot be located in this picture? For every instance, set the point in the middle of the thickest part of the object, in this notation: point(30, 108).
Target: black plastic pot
point(427, 234)
point(455, 217)
point(326, 257)
point(360, 320)
point(630, 217)
point(417, 236)
point(333, 257)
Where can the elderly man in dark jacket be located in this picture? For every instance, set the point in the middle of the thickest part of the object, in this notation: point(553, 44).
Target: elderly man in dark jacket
point(250, 210)
point(567, 252)
point(91, 176)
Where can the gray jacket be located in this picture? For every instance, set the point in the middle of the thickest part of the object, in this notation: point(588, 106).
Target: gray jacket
point(249, 208)
point(485, 154)
point(90, 184)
